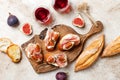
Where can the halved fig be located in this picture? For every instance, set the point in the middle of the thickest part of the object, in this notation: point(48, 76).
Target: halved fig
point(27, 29)
point(68, 41)
point(78, 21)
point(34, 52)
point(61, 60)
point(68, 45)
point(51, 39)
point(4, 44)
point(36, 56)
point(50, 58)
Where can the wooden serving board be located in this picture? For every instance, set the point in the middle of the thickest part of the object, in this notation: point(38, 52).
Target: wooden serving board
point(72, 54)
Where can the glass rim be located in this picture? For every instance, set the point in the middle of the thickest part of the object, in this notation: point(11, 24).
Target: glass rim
point(48, 17)
point(63, 9)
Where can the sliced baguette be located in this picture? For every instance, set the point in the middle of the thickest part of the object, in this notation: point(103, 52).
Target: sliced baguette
point(4, 44)
point(14, 53)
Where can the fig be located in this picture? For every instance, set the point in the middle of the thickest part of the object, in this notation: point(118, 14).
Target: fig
point(61, 76)
point(78, 21)
point(51, 60)
point(68, 41)
point(61, 60)
point(27, 29)
point(51, 39)
point(34, 52)
point(12, 20)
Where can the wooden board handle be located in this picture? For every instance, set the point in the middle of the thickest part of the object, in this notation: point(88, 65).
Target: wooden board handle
point(94, 29)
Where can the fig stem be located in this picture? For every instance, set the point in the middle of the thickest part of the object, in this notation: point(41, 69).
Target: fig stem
point(10, 14)
point(85, 10)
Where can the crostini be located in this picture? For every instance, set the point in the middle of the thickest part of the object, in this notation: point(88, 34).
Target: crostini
point(51, 39)
point(33, 51)
point(68, 41)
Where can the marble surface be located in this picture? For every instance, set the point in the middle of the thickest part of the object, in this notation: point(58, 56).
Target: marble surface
point(107, 11)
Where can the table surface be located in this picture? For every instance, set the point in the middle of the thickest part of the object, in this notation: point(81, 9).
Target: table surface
point(107, 11)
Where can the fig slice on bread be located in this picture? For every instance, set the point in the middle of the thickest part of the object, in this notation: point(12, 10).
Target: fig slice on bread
point(61, 60)
point(50, 58)
point(68, 41)
point(58, 59)
point(51, 39)
point(14, 53)
point(33, 51)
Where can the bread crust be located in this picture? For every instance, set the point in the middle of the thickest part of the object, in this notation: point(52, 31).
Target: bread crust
point(14, 52)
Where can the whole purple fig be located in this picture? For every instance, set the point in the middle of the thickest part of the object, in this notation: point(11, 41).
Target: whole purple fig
point(12, 20)
point(61, 76)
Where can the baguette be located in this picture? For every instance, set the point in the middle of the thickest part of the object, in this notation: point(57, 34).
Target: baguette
point(90, 54)
point(113, 48)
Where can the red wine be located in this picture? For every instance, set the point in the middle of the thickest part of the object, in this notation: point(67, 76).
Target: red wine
point(60, 4)
point(42, 14)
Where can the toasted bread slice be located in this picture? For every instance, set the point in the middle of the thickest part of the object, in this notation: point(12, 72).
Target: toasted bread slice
point(4, 43)
point(14, 53)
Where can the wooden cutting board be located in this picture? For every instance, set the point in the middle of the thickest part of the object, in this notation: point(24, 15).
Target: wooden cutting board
point(72, 54)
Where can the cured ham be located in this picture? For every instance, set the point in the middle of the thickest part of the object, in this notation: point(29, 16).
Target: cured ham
point(68, 41)
point(51, 39)
point(59, 60)
point(34, 52)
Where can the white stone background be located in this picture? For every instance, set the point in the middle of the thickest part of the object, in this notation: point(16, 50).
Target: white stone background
point(107, 11)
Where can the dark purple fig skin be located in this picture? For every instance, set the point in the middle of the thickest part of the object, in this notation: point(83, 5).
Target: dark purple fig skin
point(12, 20)
point(61, 76)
